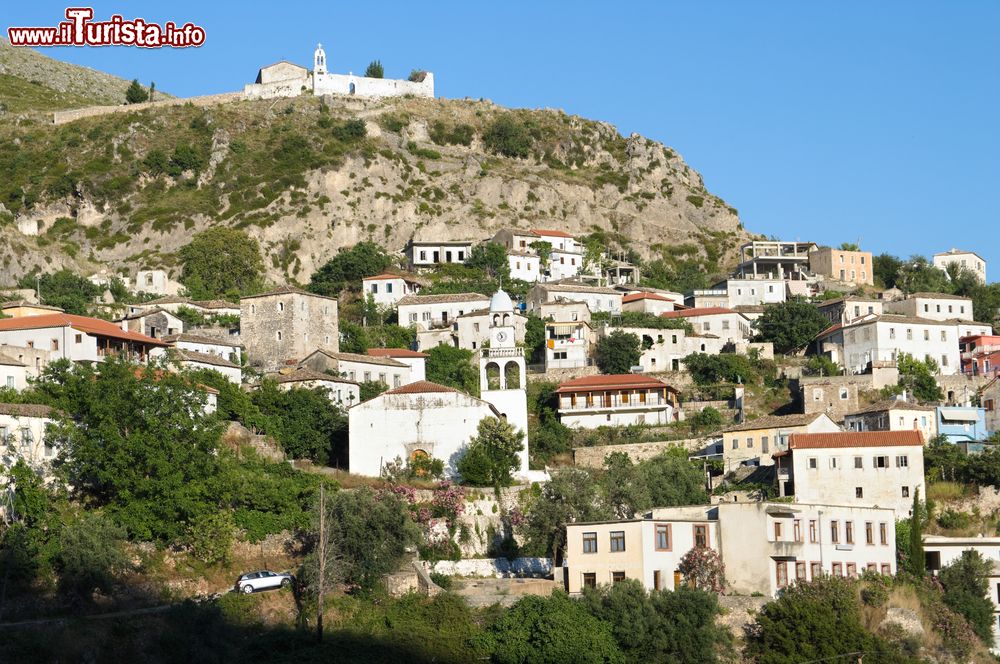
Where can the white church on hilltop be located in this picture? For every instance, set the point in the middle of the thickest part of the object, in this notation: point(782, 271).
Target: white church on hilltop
point(425, 418)
point(287, 79)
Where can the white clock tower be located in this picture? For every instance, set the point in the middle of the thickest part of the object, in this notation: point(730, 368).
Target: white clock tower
point(502, 370)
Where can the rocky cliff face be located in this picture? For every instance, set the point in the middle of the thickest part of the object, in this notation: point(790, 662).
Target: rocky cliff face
point(93, 193)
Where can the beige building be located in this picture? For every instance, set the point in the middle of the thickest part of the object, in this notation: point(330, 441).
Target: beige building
point(764, 546)
point(874, 468)
point(753, 442)
point(933, 306)
point(894, 415)
point(20, 308)
point(287, 324)
point(647, 303)
point(853, 267)
point(967, 259)
point(832, 395)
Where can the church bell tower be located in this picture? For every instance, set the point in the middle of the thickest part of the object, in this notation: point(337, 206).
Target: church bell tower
point(503, 371)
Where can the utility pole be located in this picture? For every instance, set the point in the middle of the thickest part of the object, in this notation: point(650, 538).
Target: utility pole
point(322, 562)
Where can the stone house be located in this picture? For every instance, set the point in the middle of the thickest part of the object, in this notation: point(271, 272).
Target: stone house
point(764, 546)
point(875, 468)
point(228, 349)
point(156, 323)
point(989, 396)
point(829, 394)
point(287, 324)
point(852, 267)
point(933, 306)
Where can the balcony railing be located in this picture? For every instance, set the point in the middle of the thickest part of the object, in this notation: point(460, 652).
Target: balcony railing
point(503, 352)
point(613, 402)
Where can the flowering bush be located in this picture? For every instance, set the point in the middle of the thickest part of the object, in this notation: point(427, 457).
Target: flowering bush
point(703, 568)
point(448, 502)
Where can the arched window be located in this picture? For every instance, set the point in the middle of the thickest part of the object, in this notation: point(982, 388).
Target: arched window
point(506, 319)
point(281, 306)
point(279, 335)
point(496, 319)
point(513, 374)
point(351, 89)
point(493, 376)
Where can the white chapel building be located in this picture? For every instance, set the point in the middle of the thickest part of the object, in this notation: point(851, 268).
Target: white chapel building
point(425, 418)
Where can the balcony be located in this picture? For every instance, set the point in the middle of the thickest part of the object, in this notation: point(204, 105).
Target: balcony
point(613, 403)
point(503, 352)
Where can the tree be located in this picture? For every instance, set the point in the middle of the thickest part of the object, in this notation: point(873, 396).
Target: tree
point(706, 419)
point(63, 289)
point(702, 568)
point(221, 263)
point(625, 492)
point(618, 352)
point(725, 368)
point(374, 69)
point(452, 366)
point(680, 276)
point(90, 554)
point(534, 339)
point(492, 455)
point(945, 461)
point(916, 558)
point(673, 480)
point(812, 622)
point(885, 270)
point(136, 94)
point(508, 137)
point(966, 590)
point(849, 246)
point(366, 534)
point(304, 421)
point(550, 629)
point(918, 275)
point(821, 365)
point(491, 258)
point(134, 439)
point(918, 377)
point(371, 389)
point(790, 325)
point(659, 626)
point(571, 495)
point(152, 90)
point(544, 250)
point(348, 268)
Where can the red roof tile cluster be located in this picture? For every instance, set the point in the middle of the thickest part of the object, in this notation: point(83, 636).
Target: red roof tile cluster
point(611, 382)
point(635, 297)
point(699, 311)
point(538, 231)
point(842, 439)
point(395, 352)
point(421, 387)
point(94, 326)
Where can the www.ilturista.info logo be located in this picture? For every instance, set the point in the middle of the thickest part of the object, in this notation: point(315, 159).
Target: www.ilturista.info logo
point(81, 30)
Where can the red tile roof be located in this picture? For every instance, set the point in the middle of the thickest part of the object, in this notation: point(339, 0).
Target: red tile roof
point(385, 276)
point(395, 352)
point(611, 381)
point(635, 297)
point(700, 311)
point(841, 439)
point(538, 231)
point(421, 387)
point(94, 326)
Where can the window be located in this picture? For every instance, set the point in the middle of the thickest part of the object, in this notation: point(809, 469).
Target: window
point(617, 541)
point(589, 580)
point(663, 537)
point(375, 288)
point(777, 531)
point(816, 570)
point(944, 336)
point(902, 461)
point(882, 534)
point(880, 462)
point(26, 439)
point(834, 532)
point(833, 463)
point(368, 376)
point(859, 492)
point(413, 317)
point(279, 335)
point(852, 570)
point(701, 535)
point(396, 382)
point(858, 462)
point(812, 531)
point(281, 306)
point(927, 335)
point(944, 360)
point(869, 533)
point(849, 531)
point(838, 569)
point(388, 288)
point(736, 443)
point(906, 492)
point(909, 334)
point(78, 339)
point(886, 569)
point(800, 570)
point(763, 444)
point(844, 394)
point(749, 443)
point(55, 344)
point(781, 572)
point(617, 577)
point(813, 463)
point(892, 333)
point(10, 382)
point(797, 530)
point(590, 542)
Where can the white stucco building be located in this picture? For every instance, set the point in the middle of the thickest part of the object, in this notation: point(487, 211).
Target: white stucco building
point(387, 289)
point(875, 468)
point(933, 306)
point(193, 360)
point(754, 442)
point(156, 281)
point(720, 322)
point(967, 259)
point(616, 399)
point(765, 546)
point(341, 391)
point(648, 303)
point(23, 435)
point(228, 349)
point(359, 368)
point(524, 266)
point(75, 338)
point(430, 311)
point(417, 361)
point(568, 345)
point(940, 551)
point(432, 253)
point(597, 298)
point(13, 373)
point(741, 292)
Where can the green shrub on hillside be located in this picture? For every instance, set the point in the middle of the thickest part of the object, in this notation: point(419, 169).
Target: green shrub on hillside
point(509, 137)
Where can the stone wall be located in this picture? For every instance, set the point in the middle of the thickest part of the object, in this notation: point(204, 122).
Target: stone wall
point(495, 567)
point(560, 375)
point(62, 117)
point(287, 325)
point(593, 457)
point(738, 611)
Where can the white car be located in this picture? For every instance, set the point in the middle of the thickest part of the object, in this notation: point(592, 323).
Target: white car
point(262, 580)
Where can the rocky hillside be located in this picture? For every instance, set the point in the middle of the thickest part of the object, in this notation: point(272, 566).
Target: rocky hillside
point(128, 190)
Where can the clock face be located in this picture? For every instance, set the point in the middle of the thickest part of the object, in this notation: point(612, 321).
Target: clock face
point(501, 336)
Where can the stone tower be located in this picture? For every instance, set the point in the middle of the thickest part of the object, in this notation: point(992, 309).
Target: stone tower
point(502, 370)
point(319, 60)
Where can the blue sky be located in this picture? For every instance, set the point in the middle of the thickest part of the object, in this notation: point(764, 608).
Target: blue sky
point(826, 121)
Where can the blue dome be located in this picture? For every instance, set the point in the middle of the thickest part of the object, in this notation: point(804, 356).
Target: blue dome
point(501, 302)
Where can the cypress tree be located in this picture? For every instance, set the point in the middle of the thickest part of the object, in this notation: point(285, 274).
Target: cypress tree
point(917, 563)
